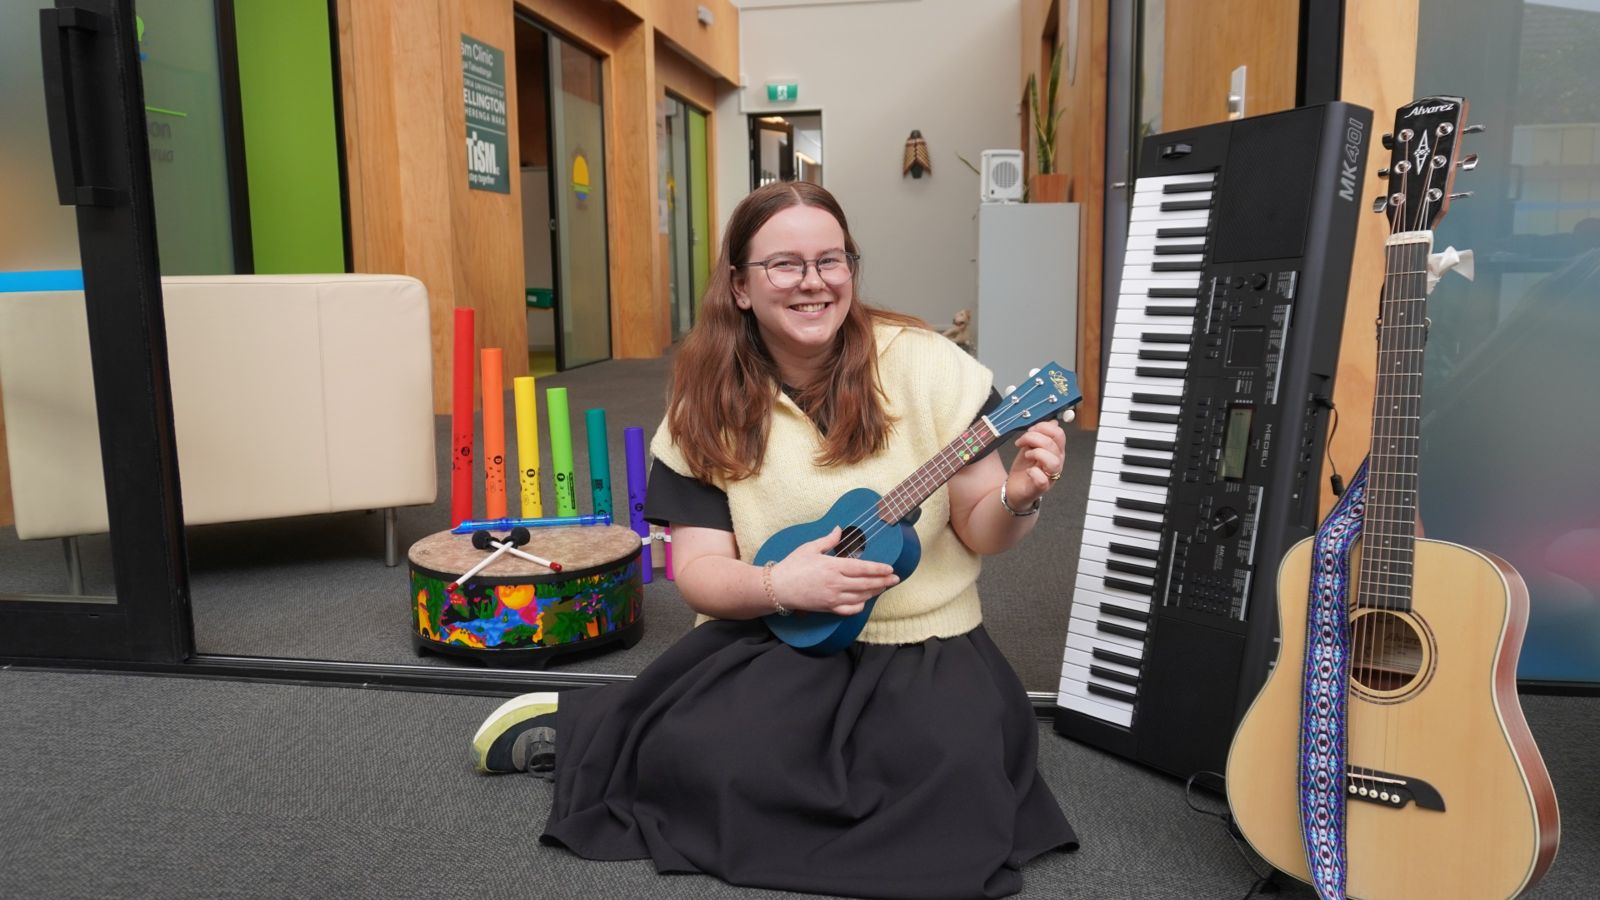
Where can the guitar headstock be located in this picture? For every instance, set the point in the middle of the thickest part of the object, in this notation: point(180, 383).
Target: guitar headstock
point(1422, 162)
point(1047, 390)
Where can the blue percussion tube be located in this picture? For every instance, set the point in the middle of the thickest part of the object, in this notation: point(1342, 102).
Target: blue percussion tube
point(468, 526)
point(633, 445)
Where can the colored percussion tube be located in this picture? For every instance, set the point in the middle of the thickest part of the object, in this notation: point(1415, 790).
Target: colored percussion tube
point(527, 410)
point(633, 446)
point(471, 525)
point(461, 419)
point(555, 403)
point(494, 433)
point(599, 460)
point(666, 550)
point(482, 564)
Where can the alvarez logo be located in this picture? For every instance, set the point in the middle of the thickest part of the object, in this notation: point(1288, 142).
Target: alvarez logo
point(1350, 167)
point(1425, 110)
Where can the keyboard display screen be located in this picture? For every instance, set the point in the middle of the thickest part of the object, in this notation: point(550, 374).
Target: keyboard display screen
point(1236, 442)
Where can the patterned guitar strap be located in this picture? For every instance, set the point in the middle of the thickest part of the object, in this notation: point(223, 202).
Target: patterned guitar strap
point(1325, 690)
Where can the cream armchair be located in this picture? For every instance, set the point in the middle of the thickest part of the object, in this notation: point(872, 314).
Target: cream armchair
point(291, 394)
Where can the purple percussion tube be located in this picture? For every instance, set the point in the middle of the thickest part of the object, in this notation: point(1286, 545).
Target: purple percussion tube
point(633, 445)
point(666, 541)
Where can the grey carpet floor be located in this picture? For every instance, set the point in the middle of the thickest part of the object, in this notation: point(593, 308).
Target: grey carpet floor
point(121, 786)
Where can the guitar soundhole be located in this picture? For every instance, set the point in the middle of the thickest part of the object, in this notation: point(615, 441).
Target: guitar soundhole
point(852, 541)
point(1391, 654)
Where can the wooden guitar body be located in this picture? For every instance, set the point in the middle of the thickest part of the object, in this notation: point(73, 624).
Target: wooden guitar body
point(870, 538)
point(1433, 706)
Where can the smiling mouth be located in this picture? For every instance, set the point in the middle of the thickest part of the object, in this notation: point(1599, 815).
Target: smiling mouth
point(809, 307)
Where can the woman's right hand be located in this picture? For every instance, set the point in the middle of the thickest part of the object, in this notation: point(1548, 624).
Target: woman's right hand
point(809, 579)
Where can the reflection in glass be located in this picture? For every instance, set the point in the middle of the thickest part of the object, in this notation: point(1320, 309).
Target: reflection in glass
point(1511, 415)
point(52, 485)
point(584, 293)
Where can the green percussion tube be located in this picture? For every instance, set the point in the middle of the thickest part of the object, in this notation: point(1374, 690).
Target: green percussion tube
point(599, 460)
point(561, 450)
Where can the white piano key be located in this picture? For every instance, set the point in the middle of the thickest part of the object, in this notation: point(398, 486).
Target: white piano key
point(1107, 532)
point(1112, 470)
point(1124, 391)
point(1091, 617)
point(1090, 592)
point(1085, 644)
point(1112, 492)
point(1078, 699)
point(1155, 430)
point(1128, 404)
point(1096, 568)
point(1073, 673)
point(1147, 257)
point(1139, 318)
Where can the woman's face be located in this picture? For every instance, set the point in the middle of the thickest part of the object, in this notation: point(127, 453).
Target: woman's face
point(797, 323)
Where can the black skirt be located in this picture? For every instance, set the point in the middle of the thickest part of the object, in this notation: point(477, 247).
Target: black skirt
point(881, 771)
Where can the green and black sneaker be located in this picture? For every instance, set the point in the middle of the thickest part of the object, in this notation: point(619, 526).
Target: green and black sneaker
point(520, 736)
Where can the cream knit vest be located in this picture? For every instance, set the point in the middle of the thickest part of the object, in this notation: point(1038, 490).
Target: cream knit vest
point(934, 392)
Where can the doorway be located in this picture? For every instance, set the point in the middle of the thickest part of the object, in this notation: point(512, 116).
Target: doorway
point(686, 187)
point(785, 148)
point(566, 267)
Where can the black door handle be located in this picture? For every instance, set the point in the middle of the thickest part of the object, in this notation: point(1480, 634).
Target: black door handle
point(57, 29)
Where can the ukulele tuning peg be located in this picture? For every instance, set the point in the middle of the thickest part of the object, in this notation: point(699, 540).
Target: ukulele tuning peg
point(1033, 371)
point(1011, 389)
point(1472, 129)
point(1379, 204)
point(1066, 416)
point(1468, 163)
point(1388, 141)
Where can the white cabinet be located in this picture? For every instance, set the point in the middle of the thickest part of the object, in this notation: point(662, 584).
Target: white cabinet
point(1027, 287)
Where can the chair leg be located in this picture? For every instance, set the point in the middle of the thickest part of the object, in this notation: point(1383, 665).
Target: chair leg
point(74, 565)
point(391, 539)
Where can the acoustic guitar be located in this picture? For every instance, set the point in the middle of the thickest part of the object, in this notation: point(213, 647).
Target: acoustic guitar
point(879, 527)
point(1443, 792)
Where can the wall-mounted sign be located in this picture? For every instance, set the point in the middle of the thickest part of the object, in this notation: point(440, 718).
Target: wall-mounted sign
point(783, 91)
point(483, 90)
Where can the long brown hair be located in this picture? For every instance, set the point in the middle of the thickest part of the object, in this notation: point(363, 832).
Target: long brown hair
point(724, 381)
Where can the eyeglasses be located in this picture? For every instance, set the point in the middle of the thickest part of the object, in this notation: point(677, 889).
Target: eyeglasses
point(785, 272)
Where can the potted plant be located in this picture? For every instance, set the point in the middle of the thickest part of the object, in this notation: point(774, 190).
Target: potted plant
point(1049, 186)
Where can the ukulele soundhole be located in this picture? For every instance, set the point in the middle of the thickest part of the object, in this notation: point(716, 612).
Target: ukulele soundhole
point(1392, 654)
point(852, 541)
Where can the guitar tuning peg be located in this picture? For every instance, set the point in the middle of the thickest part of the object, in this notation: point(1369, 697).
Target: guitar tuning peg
point(1033, 371)
point(1388, 141)
point(1472, 129)
point(1383, 172)
point(1461, 195)
point(1379, 204)
point(1468, 163)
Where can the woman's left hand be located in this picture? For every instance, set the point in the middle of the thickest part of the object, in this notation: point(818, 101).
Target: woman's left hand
point(1038, 466)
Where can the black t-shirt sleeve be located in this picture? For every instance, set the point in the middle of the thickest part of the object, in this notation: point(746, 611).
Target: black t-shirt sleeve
point(674, 499)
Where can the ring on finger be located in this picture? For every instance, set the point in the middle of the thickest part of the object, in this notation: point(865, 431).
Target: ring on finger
point(1054, 476)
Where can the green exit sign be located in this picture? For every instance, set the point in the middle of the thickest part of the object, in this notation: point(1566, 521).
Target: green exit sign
point(782, 92)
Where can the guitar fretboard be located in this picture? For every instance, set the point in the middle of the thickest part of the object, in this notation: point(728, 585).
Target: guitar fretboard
point(1389, 522)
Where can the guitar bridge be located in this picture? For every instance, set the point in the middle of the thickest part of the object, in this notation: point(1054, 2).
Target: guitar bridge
point(1391, 790)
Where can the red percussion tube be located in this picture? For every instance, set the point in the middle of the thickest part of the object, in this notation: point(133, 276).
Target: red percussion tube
point(461, 468)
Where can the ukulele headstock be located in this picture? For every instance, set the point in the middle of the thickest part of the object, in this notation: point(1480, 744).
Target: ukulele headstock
point(1046, 391)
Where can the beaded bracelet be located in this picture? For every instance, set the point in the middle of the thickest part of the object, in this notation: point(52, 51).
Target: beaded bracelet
point(1027, 512)
point(766, 584)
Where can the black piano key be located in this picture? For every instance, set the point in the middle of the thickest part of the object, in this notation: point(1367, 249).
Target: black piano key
point(1173, 293)
point(1148, 462)
point(1168, 355)
point(1157, 372)
point(1128, 568)
point(1169, 265)
point(1124, 612)
point(1110, 674)
point(1158, 400)
point(1188, 187)
point(1109, 656)
point(1179, 249)
point(1102, 690)
point(1187, 232)
point(1131, 550)
point(1149, 506)
point(1120, 630)
point(1161, 337)
point(1142, 478)
point(1137, 524)
point(1140, 415)
point(1170, 310)
point(1139, 443)
point(1183, 205)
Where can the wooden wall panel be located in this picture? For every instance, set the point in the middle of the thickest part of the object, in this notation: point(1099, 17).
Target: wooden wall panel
point(1080, 154)
point(638, 329)
point(7, 515)
point(1205, 41)
point(717, 47)
point(1379, 71)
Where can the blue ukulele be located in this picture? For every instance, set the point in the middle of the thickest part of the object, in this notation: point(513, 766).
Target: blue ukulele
point(879, 528)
